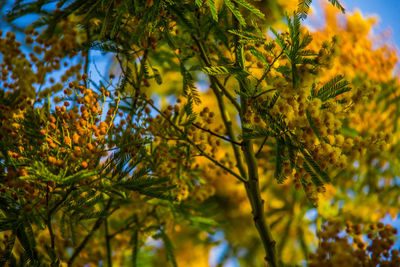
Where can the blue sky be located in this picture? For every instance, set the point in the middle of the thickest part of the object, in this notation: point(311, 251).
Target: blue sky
point(387, 10)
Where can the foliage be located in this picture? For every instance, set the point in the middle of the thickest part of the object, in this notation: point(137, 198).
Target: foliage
point(116, 170)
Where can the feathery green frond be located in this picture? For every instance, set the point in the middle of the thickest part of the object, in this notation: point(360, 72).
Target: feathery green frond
point(336, 86)
point(315, 165)
point(303, 7)
point(338, 5)
point(250, 7)
point(235, 12)
point(213, 9)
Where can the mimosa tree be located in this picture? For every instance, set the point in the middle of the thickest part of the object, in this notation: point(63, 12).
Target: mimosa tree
point(215, 118)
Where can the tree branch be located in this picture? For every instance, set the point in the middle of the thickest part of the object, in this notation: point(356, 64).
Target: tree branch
point(252, 184)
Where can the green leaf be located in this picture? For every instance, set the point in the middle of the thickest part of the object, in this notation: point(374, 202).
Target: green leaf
point(27, 240)
point(213, 9)
point(278, 38)
point(202, 220)
point(221, 70)
point(284, 69)
point(315, 166)
point(217, 70)
point(169, 247)
point(156, 194)
point(7, 252)
point(349, 131)
point(245, 35)
point(336, 86)
point(235, 12)
point(314, 177)
point(291, 150)
point(338, 5)
point(83, 174)
point(273, 100)
point(250, 7)
point(157, 76)
point(199, 3)
point(303, 7)
point(141, 183)
point(256, 132)
point(8, 224)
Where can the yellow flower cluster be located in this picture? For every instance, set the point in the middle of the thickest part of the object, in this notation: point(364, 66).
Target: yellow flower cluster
point(20, 72)
point(171, 155)
point(336, 249)
point(315, 122)
point(75, 136)
point(69, 138)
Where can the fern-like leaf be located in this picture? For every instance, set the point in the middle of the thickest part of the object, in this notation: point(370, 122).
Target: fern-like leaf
point(303, 7)
point(169, 247)
point(235, 12)
point(250, 7)
point(312, 124)
point(336, 86)
point(315, 166)
point(216, 70)
point(258, 55)
point(7, 252)
point(247, 36)
point(213, 9)
point(314, 177)
point(338, 5)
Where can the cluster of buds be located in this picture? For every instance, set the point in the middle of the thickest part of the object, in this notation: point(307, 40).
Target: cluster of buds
point(352, 249)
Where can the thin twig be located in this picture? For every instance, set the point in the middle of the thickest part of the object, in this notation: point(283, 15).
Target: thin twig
point(95, 227)
point(217, 135)
point(264, 92)
point(50, 213)
point(207, 61)
point(183, 135)
point(262, 145)
point(269, 68)
point(227, 122)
